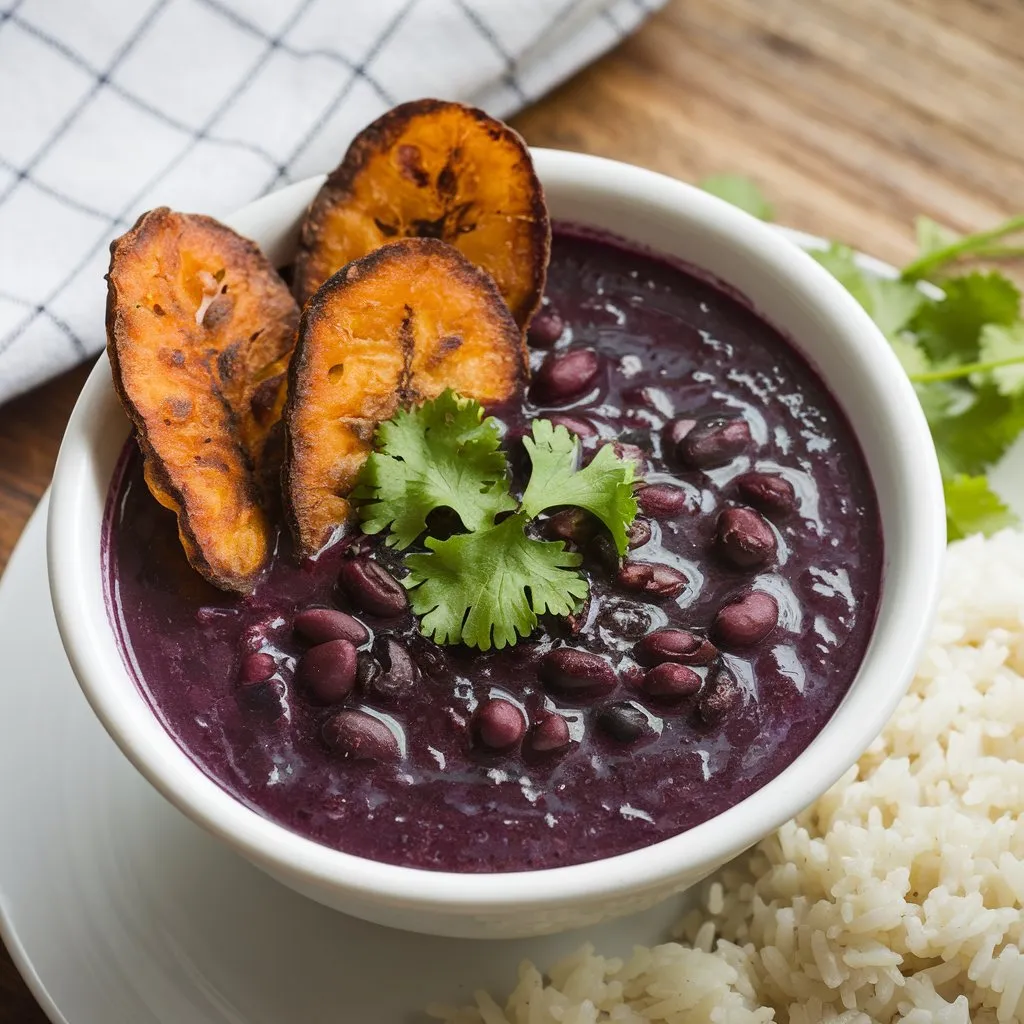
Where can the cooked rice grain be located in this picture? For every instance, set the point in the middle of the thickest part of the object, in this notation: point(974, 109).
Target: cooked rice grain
point(897, 896)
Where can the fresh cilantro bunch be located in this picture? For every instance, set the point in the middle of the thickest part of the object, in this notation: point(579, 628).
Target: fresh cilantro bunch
point(486, 586)
point(959, 335)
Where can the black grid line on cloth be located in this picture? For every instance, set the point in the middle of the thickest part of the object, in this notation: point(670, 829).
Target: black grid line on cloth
point(253, 29)
point(9, 13)
point(92, 211)
point(487, 33)
point(198, 136)
point(17, 300)
point(130, 97)
point(100, 80)
point(359, 71)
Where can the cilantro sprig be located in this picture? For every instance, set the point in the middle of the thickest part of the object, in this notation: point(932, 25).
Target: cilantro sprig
point(488, 586)
point(960, 339)
point(443, 454)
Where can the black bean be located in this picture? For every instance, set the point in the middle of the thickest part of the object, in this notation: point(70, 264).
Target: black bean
point(770, 493)
point(357, 736)
point(572, 524)
point(499, 724)
point(428, 656)
point(318, 625)
point(566, 376)
point(399, 674)
point(662, 501)
point(628, 621)
point(746, 620)
point(367, 670)
point(631, 674)
point(675, 431)
point(675, 645)
point(546, 328)
point(653, 578)
point(639, 533)
point(671, 682)
point(713, 441)
point(328, 671)
point(745, 538)
point(575, 425)
point(256, 668)
point(630, 453)
point(370, 586)
point(603, 551)
point(550, 734)
point(572, 671)
point(575, 622)
point(623, 721)
point(267, 699)
point(721, 696)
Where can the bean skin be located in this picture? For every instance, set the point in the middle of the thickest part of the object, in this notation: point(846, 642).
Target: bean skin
point(370, 586)
point(328, 671)
point(773, 495)
point(499, 724)
point(549, 735)
point(675, 645)
point(653, 578)
point(357, 736)
point(546, 328)
point(565, 376)
point(746, 620)
point(319, 625)
point(744, 538)
point(671, 682)
point(713, 442)
point(571, 671)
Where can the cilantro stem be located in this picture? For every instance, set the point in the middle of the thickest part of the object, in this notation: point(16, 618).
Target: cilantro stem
point(971, 245)
point(956, 372)
point(999, 252)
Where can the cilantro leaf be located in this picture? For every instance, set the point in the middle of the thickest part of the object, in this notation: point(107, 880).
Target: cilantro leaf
point(891, 303)
point(952, 327)
point(739, 191)
point(604, 487)
point(442, 454)
point(972, 441)
point(911, 356)
point(973, 507)
point(932, 236)
point(488, 588)
point(1004, 345)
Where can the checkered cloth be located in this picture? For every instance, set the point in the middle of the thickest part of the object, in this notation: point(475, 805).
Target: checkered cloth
point(110, 107)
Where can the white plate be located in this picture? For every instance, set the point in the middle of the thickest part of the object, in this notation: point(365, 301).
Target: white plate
point(118, 910)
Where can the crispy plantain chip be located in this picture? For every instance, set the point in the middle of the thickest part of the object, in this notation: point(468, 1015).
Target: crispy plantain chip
point(398, 326)
point(435, 170)
point(199, 333)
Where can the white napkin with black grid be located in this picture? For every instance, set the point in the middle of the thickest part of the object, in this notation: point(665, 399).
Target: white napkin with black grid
point(110, 107)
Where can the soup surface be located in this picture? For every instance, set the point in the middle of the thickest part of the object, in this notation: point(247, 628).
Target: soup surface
point(753, 485)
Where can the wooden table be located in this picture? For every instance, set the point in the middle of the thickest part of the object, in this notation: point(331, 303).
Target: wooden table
point(854, 117)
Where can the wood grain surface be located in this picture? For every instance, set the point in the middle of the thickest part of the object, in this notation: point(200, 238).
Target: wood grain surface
point(854, 117)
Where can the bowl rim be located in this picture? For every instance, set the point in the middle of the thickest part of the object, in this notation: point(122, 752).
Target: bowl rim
point(73, 572)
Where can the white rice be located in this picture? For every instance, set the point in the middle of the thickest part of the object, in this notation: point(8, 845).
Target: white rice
point(898, 896)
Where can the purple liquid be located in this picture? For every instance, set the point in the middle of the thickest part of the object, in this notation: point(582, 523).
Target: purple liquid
point(673, 344)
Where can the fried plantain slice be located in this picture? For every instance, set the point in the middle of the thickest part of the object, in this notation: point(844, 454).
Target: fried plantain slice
point(199, 333)
point(435, 170)
point(398, 326)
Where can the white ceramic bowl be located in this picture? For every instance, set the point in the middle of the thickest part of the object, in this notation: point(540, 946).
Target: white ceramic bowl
point(835, 335)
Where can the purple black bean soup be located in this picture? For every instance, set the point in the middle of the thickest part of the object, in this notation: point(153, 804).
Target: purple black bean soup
point(702, 662)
